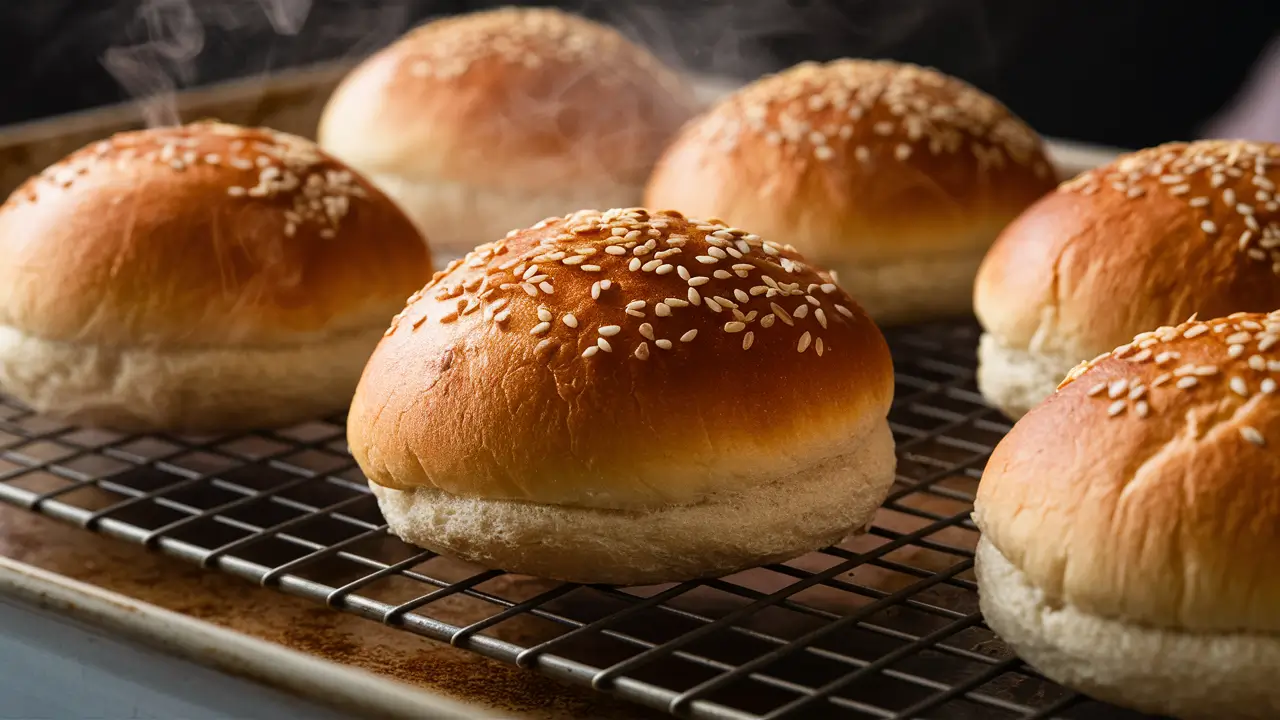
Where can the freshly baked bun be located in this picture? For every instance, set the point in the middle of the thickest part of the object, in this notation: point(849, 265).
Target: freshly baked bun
point(487, 121)
point(1131, 524)
point(199, 278)
point(896, 176)
point(627, 397)
point(1150, 239)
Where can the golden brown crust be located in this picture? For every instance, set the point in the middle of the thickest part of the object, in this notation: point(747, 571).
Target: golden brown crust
point(1148, 240)
point(623, 359)
point(858, 162)
point(205, 235)
point(1145, 488)
point(512, 98)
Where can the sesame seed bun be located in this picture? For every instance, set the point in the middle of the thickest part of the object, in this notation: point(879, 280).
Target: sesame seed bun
point(205, 277)
point(627, 397)
point(487, 121)
point(896, 176)
point(1145, 241)
point(1131, 524)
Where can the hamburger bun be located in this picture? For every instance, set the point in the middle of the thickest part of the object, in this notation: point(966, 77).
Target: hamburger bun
point(487, 121)
point(1131, 524)
point(1145, 241)
point(198, 278)
point(627, 397)
point(896, 176)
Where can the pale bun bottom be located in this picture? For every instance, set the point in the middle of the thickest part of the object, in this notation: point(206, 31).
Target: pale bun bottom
point(1017, 380)
point(775, 520)
point(914, 289)
point(1162, 671)
point(456, 217)
point(189, 390)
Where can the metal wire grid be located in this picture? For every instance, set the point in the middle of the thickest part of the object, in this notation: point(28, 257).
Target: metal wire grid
point(883, 626)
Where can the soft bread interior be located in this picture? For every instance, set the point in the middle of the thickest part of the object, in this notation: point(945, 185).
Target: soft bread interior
point(187, 389)
point(766, 522)
point(1164, 671)
point(1017, 380)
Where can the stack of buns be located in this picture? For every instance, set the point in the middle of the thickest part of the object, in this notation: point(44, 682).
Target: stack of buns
point(490, 121)
point(1145, 241)
point(895, 176)
point(200, 278)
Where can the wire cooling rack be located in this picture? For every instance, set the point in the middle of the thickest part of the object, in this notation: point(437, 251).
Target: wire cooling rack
point(883, 626)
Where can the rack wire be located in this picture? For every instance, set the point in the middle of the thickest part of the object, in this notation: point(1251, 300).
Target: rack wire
point(885, 625)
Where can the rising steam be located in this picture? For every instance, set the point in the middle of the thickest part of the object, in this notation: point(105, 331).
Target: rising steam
point(170, 36)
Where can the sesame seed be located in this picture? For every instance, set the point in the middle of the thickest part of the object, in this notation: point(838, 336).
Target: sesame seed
point(590, 351)
point(694, 296)
point(721, 275)
point(1117, 388)
point(706, 259)
point(1252, 435)
point(502, 317)
point(676, 302)
point(1195, 331)
point(1268, 386)
point(604, 345)
point(547, 288)
point(642, 351)
point(801, 312)
point(544, 314)
point(540, 328)
point(662, 309)
point(782, 314)
point(741, 296)
point(1238, 386)
point(570, 320)
point(1096, 389)
point(529, 290)
point(665, 269)
point(823, 152)
point(1116, 408)
point(651, 265)
point(646, 331)
point(711, 302)
point(734, 326)
point(1142, 409)
point(1186, 382)
point(1198, 202)
point(1208, 226)
point(804, 342)
point(1235, 351)
point(609, 330)
point(698, 280)
point(689, 336)
point(747, 340)
point(634, 265)
point(1161, 379)
point(573, 260)
point(1257, 362)
point(595, 290)
point(615, 250)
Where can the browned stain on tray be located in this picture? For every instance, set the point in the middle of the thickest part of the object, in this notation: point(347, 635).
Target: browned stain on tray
point(300, 624)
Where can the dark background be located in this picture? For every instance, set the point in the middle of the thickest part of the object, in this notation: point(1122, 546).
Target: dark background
point(1127, 73)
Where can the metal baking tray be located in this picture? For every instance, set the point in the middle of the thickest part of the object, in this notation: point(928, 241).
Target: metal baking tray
point(883, 626)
